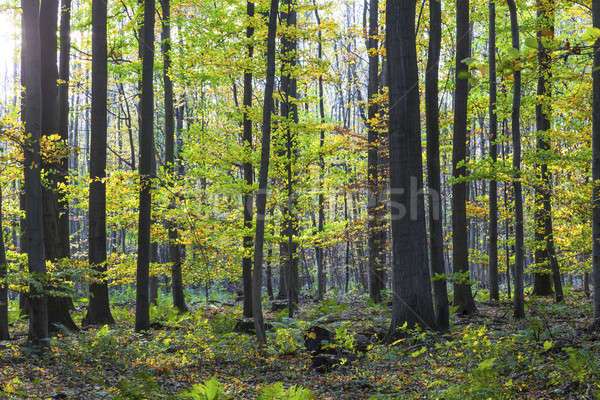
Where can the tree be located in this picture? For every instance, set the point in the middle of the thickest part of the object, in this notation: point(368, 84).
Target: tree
point(596, 168)
point(319, 253)
point(261, 195)
point(142, 305)
point(463, 297)
point(32, 185)
point(98, 312)
point(493, 135)
point(436, 239)
point(56, 240)
point(4, 335)
point(545, 252)
point(289, 116)
point(411, 285)
point(375, 208)
point(174, 248)
point(518, 299)
point(248, 171)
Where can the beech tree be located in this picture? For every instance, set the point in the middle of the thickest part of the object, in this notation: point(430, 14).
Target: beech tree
point(98, 312)
point(32, 185)
point(463, 297)
point(142, 305)
point(411, 284)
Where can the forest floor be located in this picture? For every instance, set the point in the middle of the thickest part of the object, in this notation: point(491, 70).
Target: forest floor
point(549, 355)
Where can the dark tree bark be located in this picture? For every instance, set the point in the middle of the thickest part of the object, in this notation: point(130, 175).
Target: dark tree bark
point(4, 335)
point(248, 172)
point(261, 196)
point(545, 253)
point(56, 240)
point(493, 195)
point(63, 113)
point(98, 312)
point(375, 208)
point(142, 306)
point(463, 297)
point(518, 299)
point(34, 233)
point(596, 169)
point(411, 285)
point(436, 239)
point(289, 115)
point(319, 254)
point(174, 247)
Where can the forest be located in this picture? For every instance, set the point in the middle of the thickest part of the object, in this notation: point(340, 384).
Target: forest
point(299, 199)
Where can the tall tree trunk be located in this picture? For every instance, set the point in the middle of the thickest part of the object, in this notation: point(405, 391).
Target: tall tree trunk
point(596, 169)
point(436, 239)
point(63, 114)
point(411, 284)
point(289, 114)
point(545, 254)
point(493, 195)
point(142, 306)
point(56, 240)
point(261, 196)
point(463, 297)
point(3, 284)
point(98, 312)
point(34, 233)
point(319, 254)
point(519, 303)
point(174, 248)
point(248, 172)
point(375, 208)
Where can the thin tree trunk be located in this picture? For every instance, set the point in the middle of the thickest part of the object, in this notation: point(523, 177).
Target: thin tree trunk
point(493, 195)
point(174, 248)
point(463, 297)
point(519, 302)
point(248, 172)
point(142, 310)
point(411, 284)
point(436, 240)
point(98, 312)
point(375, 208)
point(596, 169)
point(4, 335)
point(261, 196)
point(320, 256)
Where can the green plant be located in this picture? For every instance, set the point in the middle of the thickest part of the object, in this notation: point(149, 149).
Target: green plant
point(142, 386)
point(286, 341)
point(209, 390)
point(277, 391)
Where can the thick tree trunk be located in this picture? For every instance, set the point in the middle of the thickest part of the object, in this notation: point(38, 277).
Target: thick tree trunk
point(248, 172)
point(411, 284)
point(56, 240)
point(174, 248)
point(519, 302)
point(493, 195)
point(463, 297)
point(436, 239)
point(261, 196)
point(34, 234)
point(98, 312)
point(596, 169)
point(142, 306)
